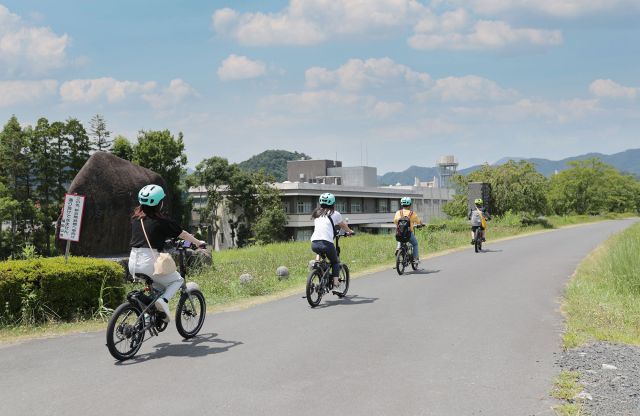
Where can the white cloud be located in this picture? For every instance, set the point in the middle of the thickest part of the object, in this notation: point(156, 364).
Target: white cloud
point(29, 49)
point(357, 74)
point(482, 35)
point(24, 92)
point(307, 22)
point(554, 8)
point(170, 96)
point(606, 88)
point(468, 88)
point(240, 67)
point(90, 90)
point(338, 104)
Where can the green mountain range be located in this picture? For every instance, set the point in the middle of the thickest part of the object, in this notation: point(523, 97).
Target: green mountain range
point(627, 162)
point(273, 162)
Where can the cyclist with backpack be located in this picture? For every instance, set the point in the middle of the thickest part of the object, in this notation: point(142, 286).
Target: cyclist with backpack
point(405, 221)
point(325, 219)
point(478, 217)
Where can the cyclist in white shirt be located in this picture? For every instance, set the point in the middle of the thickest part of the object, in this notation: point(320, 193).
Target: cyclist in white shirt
point(325, 220)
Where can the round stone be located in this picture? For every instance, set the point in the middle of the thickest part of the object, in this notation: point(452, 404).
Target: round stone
point(282, 272)
point(245, 278)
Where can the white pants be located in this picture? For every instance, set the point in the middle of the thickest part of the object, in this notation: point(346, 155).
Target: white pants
point(141, 261)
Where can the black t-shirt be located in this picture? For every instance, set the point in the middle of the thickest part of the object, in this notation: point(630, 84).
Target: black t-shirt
point(158, 230)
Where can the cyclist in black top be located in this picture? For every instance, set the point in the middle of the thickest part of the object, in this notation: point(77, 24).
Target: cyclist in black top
point(148, 218)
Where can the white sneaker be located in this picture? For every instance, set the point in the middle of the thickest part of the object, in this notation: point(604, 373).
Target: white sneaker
point(337, 288)
point(163, 306)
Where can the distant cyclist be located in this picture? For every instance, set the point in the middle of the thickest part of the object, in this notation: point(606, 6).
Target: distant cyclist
point(149, 226)
point(325, 219)
point(405, 221)
point(476, 216)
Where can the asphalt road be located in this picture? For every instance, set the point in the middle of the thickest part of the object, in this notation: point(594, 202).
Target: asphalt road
point(471, 334)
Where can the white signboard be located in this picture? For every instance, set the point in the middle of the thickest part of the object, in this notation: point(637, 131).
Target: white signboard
point(71, 217)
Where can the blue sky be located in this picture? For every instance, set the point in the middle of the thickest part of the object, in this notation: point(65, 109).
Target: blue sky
point(407, 80)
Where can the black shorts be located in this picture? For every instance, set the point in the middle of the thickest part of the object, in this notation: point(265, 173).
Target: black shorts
point(475, 227)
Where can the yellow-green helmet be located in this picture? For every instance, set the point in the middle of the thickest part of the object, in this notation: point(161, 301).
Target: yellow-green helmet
point(478, 201)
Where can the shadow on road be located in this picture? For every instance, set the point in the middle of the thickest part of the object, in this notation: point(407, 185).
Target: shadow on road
point(490, 251)
point(419, 271)
point(200, 346)
point(347, 300)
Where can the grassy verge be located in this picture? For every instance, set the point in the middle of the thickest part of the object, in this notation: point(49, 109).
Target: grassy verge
point(363, 253)
point(603, 299)
point(566, 388)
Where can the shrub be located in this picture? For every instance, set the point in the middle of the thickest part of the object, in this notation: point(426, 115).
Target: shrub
point(42, 289)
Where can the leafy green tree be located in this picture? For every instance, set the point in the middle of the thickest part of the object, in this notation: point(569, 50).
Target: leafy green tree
point(515, 186)
point(15, 175)
point(593, 187)
point(48, 195)
point(164, 154)
point(212, 175)
point(122, 148)
point(79, 147)
point(99, 133)
point(271, 219)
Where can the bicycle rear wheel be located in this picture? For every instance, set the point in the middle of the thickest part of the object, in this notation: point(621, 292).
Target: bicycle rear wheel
point(190, 314)
point(344, 281)
point(478, 241)
point(400, 263)
point(125, 332)
point(314, 288)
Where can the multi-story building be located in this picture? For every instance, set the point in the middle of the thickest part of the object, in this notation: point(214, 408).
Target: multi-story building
point(368, 207)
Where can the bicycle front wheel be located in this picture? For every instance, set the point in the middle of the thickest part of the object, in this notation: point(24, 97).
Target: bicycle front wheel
point(314, 288)
point(125, 332)
point(190, 313)
point(478, 246)
point(344, 281)
point(400, 264)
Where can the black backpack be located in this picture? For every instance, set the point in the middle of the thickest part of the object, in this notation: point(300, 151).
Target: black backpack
point(403, 229)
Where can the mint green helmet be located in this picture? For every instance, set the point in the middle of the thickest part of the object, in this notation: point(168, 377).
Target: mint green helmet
point(151, 195)
point(405, 201)
point(327, 199)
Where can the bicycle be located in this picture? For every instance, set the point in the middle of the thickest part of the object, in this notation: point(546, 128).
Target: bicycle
point(404, 256)
point(477, 239)
point(320, 281)
point(138, 315)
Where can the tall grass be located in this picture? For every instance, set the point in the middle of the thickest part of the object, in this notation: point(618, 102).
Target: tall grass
point(362, 252)
point(603, 299)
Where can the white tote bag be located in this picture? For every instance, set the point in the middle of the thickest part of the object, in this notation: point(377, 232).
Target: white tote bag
point(163, 263)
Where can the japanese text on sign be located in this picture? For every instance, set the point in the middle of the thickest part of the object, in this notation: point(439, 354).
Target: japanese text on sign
point(71, 217)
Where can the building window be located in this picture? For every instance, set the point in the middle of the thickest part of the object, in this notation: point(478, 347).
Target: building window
point(304, 234)
point(341, 206)
point(395, 205)
point(303, 207)
point(356, 207)
point(285, 207)
point(383, 206)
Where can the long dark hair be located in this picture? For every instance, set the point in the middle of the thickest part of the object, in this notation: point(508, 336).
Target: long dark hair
point(323, 210)
point(142, 211)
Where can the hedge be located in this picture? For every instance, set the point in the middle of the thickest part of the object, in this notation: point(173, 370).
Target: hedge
point(47, 288)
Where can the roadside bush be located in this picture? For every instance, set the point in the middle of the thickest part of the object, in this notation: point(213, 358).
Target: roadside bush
point(42, 289)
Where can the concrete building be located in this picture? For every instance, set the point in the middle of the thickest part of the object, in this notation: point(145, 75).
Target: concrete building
point(368, 207)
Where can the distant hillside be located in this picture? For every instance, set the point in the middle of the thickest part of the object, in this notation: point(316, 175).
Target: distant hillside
point(627, 162)
point(408, 176)
point(273, 162)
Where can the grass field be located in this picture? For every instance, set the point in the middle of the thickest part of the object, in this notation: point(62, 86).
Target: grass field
point(603, 299)
point(363, 253)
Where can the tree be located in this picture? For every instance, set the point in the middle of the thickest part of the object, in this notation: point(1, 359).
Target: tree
point(79, 147)
point(271, 219)
point(160, 152)
point(212, 175)
point(272, 162)
point(15, 174)
point(122, 148)
point(592, 187)
point(100, 134)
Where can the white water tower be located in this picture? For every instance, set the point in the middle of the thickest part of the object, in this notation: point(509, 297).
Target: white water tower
point(447, 167)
